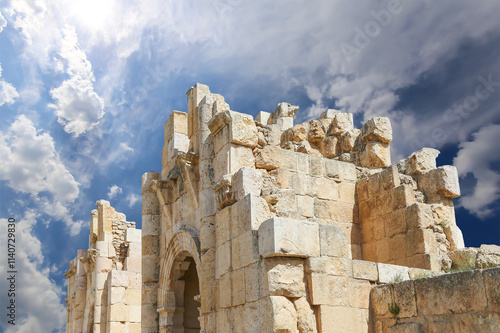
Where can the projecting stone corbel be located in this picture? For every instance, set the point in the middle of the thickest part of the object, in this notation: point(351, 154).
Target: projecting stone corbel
point(183, 161)
point(157, 186)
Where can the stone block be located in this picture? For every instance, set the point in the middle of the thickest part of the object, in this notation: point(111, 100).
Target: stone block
point(397, 246)
point(365, 270)
point(491, 278)
point(150, 245)
point(116, 295)
point(238, 287)
point(341, 123)
point(488, 256)
point(328, 289)
point(392, 273)
point(421, 161)
point(177, 143)
point(133, 264)
point(272, 157)
point(359, 293)
point(285, 277)
point(255, 282)
point(418, 216)
point(150, 225)
point(339, 212)
point(134, 250)
point(340, 319)
point(133, 296)
point(222, 259)
point(420, 241)
point(451, 293)
point(306, 320)
point(246, 181)
point(118, 278)
point(329, 114)
point(133, 235)
point(279, 314)
point(375, 154)
point(455, 236)
point(262, 117)
point(305, 205)
point(245, 249)
point(329, 266)
point(224, 289)
point(241, 128)
point(395, 222)
point(316, 166)
point(381, 296)
point(207, 233)
point(402, 196)
point(176, 123)
point(223, 221)
point(208, 286)
point(443, 181)
point(333, 241)
point(118, 312)
point(248, 214)
point(288, 237)
point(347, 192)
point(231, 158)
point(377, 129)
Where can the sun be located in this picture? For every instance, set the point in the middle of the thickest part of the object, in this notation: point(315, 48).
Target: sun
point(92, 14)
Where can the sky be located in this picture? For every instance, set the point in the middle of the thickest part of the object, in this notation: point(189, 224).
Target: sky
point(86, 86)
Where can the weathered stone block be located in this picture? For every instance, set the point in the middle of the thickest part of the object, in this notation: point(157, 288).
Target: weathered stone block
point(329, 266)
point(306, 320)
point(224, 289)
point(418, 216)
point(328, 289)
point(272, 157)
point(392, 273)
point(231, 158)
point(333, 241)
point(246, 181)
point(287, 237)
point(222, 259)
point(421, 161)
point(340, 319)
point(285, 277)
point(245, 249)
point(365, 270)
point(452, 293)
point(133, 235)
point(341, 123)
point(376, 154)
point(262, 117)
point(278, 314)
point(377, 129)
point(443, 181)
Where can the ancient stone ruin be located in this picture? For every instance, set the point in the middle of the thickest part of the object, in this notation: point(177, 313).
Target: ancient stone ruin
point(257, 225)
point(104, 282)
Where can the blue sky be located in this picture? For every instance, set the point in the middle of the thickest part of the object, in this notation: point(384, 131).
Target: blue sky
point(86, 85)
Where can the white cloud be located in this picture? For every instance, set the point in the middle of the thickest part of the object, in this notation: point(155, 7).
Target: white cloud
point(132, 199)
point(8, 92)
point(30, 164)
point(78, 107)
point(114, 191)
point(38, 298)
point(476, 157)
point(3, 23)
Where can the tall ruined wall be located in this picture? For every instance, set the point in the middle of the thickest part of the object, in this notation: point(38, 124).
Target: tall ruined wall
point(258, 225)
point(104, 282)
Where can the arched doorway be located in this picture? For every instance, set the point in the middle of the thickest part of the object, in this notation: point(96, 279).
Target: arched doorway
point(186, 289)
point(179, 292)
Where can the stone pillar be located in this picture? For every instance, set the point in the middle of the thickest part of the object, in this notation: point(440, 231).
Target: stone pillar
point(77, 293)
point(150, 250)
point(195, 94)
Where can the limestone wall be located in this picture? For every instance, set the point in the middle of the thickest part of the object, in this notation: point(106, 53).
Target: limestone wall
point(273, 224)
point(461, 302)
point(104, 282)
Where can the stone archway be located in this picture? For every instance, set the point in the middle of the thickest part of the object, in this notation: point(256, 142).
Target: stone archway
point(178, 293)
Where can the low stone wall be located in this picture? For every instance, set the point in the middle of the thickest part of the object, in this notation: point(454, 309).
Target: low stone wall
point(461, 302)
